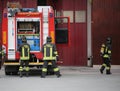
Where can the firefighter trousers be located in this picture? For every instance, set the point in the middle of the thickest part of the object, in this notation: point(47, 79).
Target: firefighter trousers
point(0, 60)
point(24, 64)
point(106, 64)
point(54, 66)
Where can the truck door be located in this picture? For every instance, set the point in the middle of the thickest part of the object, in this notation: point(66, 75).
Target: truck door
point(62, 31)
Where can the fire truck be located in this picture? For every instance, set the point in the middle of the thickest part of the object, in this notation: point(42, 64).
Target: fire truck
point(36, 25)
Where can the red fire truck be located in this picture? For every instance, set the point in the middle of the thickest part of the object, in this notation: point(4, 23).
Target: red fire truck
point(36, 25)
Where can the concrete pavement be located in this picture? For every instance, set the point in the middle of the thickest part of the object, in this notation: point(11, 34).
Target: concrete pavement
point(73, 79)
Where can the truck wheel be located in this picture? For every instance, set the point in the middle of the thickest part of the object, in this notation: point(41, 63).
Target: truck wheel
point(7, 73)
point(11, 70)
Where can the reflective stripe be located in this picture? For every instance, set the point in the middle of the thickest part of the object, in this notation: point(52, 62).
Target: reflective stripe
point(2, 52)
point(56, 69)
point(104, 65)
point(44, 69)
point(45, 52)
point(51, 52)
point(106, 50)
point(107, 68)
point(109, 51)
point(26, 58)
point(106, 56)
point(27, 68)
point(20, 68)
point(102, 50)
point(23, 52)
point(49, 58)
point(56, 52)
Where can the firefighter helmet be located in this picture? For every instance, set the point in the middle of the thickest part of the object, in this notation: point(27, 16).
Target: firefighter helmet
point(24, 39)
point(49, 39)
point(109, 40)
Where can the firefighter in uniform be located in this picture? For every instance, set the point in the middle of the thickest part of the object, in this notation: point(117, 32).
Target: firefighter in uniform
point(106, 56)
point(1, 56)
point(24, 57)
point(50, 55)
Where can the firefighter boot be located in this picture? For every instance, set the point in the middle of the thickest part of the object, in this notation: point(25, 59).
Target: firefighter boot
point(0, 63)
point(108, 72)
point(21, 71)
point(58, 74)
point(21, 75)
point(43, 74)
point(27, 73)
point(102, 69)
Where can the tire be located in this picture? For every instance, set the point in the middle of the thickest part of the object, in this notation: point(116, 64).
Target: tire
point(7, 73)
point(11, 70)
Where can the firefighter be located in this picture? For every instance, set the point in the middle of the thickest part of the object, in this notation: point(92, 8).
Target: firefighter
point(50, 55)
point(105, 53)
point(24, 57)
point(1, 56)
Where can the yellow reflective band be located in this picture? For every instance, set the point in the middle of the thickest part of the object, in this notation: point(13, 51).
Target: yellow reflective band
point(44, 69)
point(27, 68)
point(107, 68)
point(102, 50)
point(109, 52)
point(24, 58)
point(56, 69)
point(56, 52)
point(106, 49)
point(20, 68)
point(26, 46)
point(50, 52)
point(106, 56)
point(48, 45)
point(104, 65)
point(23, 51)
point(44, 51)
point(49, 58)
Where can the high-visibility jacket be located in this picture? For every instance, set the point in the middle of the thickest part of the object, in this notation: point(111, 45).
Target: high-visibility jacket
point(49, 51)
point(24, 51)
point(105, 51)
point(1, 53)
